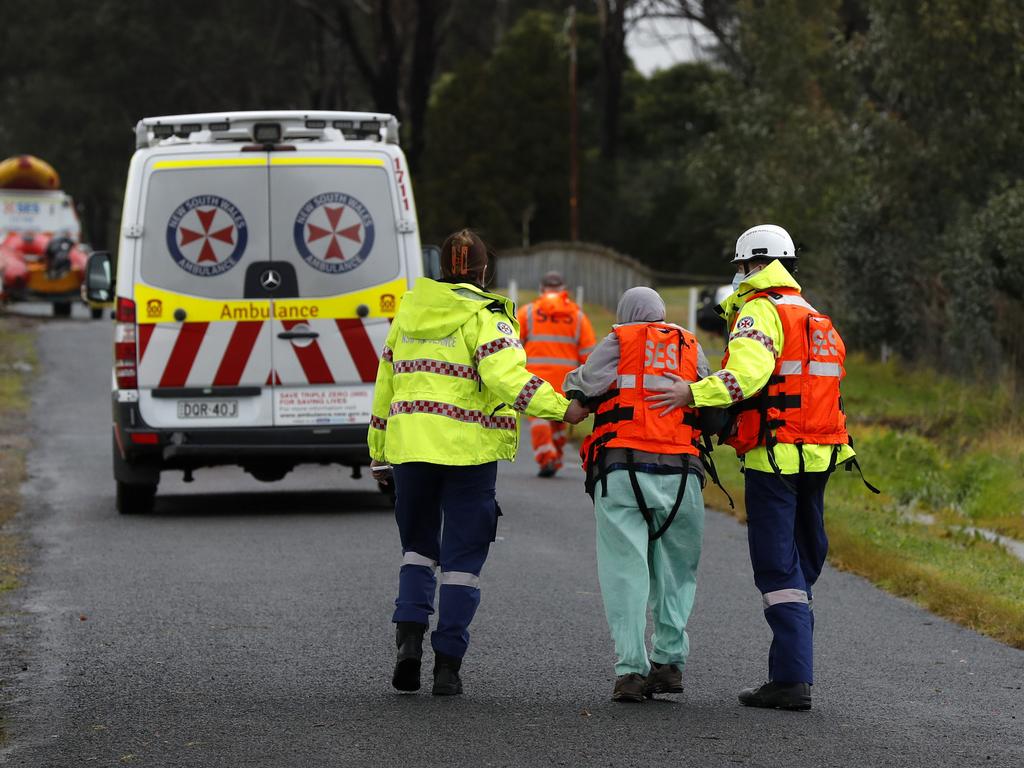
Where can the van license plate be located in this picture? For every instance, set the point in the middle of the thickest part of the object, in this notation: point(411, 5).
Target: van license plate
point(207, 409)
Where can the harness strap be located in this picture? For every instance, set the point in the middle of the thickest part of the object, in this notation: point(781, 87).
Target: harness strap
point(618, 413)
point(683, 480)
point(854, 462)
point(637, 492)
point(783, 402)
point(593, 402)
point(770, 451)
point(709, 467)
point(596, 468)
point(832, 461)
point(641, 502)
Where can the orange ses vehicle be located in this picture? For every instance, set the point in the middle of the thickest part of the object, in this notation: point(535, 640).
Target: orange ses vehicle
point(40, 258)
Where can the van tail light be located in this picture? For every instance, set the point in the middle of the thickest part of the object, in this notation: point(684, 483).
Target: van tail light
point(125, 349)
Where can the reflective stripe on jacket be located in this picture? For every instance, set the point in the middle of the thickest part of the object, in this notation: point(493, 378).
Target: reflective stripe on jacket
point(557, 336)
point(647, 351)
point(452, 380)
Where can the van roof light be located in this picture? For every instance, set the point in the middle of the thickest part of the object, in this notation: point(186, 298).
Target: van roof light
point(272, 126)
point(266, 133)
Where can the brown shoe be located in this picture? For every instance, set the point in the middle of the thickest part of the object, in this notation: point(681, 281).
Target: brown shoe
point(629, 688)
point(663, 678)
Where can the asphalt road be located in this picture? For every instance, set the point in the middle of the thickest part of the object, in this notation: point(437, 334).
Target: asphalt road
point(245, 624)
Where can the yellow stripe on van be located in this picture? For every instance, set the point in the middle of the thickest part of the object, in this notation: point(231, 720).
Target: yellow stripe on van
point(153, 305)
point(301, 160)
point(225, 162)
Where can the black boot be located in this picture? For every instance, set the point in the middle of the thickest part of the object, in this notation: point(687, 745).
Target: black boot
point(409, 639)
point(778, 696)
point(446, 675)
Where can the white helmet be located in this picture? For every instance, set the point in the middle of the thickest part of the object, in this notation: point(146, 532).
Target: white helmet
point(765, 241)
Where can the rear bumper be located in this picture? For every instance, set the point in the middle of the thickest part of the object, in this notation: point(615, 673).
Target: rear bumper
point(277, 447)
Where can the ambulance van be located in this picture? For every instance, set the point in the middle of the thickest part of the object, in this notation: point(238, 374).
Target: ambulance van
point(261, 259)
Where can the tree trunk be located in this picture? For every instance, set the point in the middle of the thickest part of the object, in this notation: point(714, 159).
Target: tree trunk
point(612, 15)
point(421, 74)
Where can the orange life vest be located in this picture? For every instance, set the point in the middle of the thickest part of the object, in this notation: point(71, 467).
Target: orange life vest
point(550, 329)
point(801, 403)
point(623, 419)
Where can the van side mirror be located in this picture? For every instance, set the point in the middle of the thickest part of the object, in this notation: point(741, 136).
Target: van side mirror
point(432, 262)
point(99, 277)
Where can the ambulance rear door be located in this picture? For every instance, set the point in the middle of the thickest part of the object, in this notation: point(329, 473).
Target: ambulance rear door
point(334, 226)
point(202, 246)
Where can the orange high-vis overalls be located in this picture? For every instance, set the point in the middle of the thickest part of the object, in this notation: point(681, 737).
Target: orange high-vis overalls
point(801, 403)
point(623, 419)
point(558, 338)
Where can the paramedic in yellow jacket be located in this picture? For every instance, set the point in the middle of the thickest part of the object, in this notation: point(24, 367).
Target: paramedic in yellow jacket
point(780, 379)
point(451, 382)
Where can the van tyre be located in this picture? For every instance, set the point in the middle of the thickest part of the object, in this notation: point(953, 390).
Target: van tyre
point(136, 483)
point(62, 309)
point(97, 313)
point(135, 498)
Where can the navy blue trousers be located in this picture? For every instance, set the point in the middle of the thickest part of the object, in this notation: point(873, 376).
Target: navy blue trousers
point(786, 534)
point(447, 517)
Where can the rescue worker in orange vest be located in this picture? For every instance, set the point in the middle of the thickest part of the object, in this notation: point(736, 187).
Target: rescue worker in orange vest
point(645, 476)
point(558, 337)
point(780, 379)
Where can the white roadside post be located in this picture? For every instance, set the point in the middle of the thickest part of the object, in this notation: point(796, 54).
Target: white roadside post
point(691, 311)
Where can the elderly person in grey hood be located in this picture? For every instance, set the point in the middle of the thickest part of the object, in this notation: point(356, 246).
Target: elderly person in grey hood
point(646, 479)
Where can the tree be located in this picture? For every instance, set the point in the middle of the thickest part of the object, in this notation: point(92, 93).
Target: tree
point(497, 146)
point(394, 47)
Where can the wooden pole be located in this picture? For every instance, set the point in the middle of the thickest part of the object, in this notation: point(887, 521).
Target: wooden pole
point(574, 172)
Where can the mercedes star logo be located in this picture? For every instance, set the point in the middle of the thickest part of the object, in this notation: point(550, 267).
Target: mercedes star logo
point(270, 279)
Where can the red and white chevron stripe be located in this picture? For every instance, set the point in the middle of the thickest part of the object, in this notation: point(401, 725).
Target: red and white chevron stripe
point(247, 353)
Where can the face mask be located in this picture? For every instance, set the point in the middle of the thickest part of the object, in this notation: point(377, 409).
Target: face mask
point(736, 280)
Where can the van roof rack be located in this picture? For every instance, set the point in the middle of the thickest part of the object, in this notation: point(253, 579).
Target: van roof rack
point(272, 125)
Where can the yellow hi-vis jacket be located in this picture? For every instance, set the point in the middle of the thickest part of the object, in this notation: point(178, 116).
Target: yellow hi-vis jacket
point(452, 380)
point(752, 355)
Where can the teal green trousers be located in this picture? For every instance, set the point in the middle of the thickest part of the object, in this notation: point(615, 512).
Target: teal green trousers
point(636, 573)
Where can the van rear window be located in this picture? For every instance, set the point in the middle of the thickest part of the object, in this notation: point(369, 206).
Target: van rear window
point(335, 223)
point(202, 227)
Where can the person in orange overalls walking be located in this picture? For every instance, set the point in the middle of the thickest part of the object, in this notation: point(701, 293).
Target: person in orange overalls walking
point(558, 338)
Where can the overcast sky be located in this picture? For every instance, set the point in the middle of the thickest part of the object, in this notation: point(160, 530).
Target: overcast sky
point(658, 44)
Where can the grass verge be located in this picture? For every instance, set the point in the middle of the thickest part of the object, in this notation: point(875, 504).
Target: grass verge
point(949, 459)
point(17, 361)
